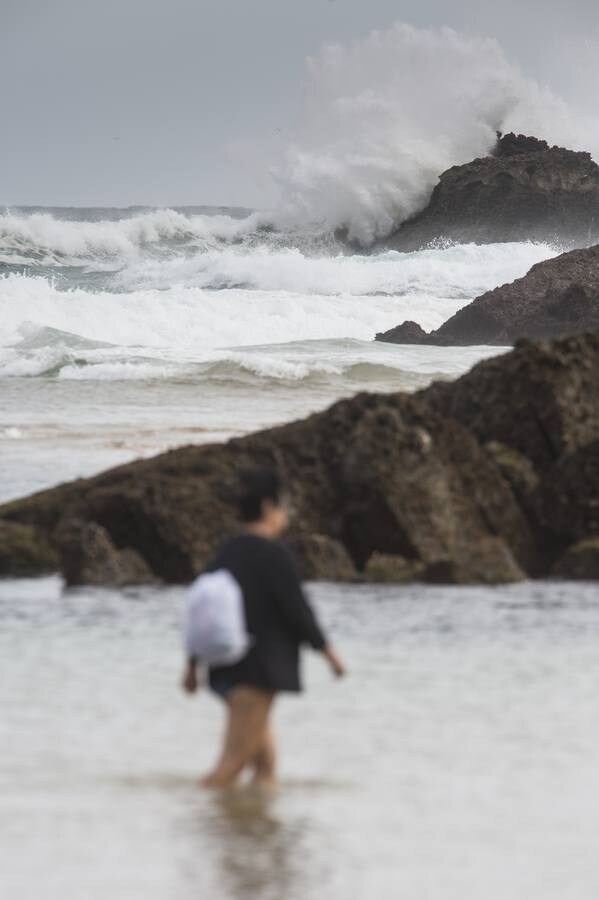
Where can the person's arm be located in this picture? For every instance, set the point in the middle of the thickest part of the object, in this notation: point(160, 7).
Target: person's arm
point(297, 610)
point(334, 660)
point(190, 680)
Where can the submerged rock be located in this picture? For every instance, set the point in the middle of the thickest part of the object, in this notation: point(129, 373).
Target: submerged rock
point(557, 297)
point(524, 190)
point(470, 481)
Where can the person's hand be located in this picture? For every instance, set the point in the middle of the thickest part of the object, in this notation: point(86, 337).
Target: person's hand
point(190, 681)
point(336, 663)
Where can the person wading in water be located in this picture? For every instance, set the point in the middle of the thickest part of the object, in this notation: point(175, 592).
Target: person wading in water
point(279, 620)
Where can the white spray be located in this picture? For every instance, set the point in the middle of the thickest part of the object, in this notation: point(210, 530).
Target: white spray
point(387, 114)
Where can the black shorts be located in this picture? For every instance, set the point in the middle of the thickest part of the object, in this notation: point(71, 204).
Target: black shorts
point(222, 682)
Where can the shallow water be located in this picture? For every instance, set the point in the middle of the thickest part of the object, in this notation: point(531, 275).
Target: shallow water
point(458, 760)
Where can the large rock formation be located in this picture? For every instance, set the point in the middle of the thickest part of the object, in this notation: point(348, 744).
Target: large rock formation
point(456, 483)
point(556, 298)
point(541, 401)
point(525, 190)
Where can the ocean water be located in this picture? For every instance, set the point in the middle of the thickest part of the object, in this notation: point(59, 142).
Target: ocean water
point(125, 332)
point(458, 759)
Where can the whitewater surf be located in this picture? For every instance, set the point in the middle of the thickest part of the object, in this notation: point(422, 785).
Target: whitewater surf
point(127, 332)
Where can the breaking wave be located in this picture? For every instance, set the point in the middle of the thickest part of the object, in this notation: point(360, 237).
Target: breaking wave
point(387, 114)
point(43, 239)
point(287, 296)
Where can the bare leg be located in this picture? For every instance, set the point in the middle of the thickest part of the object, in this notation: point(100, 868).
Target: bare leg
point(265, 760)
point(248, 711)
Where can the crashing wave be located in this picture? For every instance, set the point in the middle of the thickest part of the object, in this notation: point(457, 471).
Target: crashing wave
point(387, 114)
point(293, 298)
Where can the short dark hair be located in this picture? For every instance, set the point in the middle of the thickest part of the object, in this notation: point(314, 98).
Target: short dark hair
point(256, 486)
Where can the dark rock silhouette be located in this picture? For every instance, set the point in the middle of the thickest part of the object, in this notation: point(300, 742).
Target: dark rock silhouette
point(514, 144)
point(556, 298)
point(524, 190)
point(487, 479)
point(407, 333)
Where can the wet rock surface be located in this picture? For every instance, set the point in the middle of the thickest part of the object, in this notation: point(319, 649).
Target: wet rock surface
point(557, 298)
point(524, 190)
point(487, 479)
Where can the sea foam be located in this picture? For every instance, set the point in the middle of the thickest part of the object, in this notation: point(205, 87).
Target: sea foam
point(286, 296)
point(43, 239)
point(156, 331)
point(386, 115)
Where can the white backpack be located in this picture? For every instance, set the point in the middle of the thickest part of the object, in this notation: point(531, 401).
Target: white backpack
point(214, 628)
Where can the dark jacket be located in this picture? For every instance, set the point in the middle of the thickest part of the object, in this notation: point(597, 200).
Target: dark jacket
point(278, 616)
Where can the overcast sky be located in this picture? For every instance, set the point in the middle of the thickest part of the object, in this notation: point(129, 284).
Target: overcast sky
point(152, 101)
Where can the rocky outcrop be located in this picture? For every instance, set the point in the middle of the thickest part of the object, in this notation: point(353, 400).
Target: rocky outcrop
point(407, 333)
point(321, 556)
point(567, 498)
point(541, 399)
point(580, 562)
point(516, 468)
point(372, 474)
point(88, 556)
point(390, 567)
point(524, 191)
point(556, 298)
point(487, 479)
point(489, 562)
point(25, 551)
